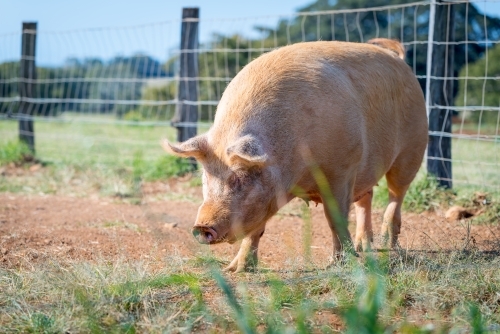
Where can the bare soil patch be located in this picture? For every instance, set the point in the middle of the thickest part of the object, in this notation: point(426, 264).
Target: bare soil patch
point(39, 227)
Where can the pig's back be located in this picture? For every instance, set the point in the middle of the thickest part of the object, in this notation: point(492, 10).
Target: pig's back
point(352, 104)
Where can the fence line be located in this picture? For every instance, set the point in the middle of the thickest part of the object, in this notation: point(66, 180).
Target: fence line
point(176, 79)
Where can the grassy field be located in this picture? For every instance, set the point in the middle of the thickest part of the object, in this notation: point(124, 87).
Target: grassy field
point(113, 150)
point(105, 157)
point(83, 143)
point(477, 163)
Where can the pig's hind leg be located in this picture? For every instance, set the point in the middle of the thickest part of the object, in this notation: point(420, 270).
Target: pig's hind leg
point(398, 178)
point(247, 255)
point(364, 230)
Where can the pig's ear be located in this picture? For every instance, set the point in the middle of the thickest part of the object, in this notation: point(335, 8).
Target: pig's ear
point(195, 147)
point(247, 151)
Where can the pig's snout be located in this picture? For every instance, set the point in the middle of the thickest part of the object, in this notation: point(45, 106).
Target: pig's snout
point(204, 234)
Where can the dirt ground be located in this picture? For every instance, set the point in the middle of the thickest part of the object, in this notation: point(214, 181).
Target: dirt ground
point(36, 228)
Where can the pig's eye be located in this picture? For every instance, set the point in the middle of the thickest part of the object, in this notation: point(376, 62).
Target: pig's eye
point(237, 181)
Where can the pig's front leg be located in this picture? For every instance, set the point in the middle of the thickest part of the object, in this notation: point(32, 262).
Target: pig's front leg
point(247, 255)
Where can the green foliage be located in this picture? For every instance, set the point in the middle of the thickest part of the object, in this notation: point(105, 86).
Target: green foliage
point(306, 232)
point(471, 90)
point(14, 152)
point(9, 70)
point(476, 319)
point(165, 92)
point(206, 260)
point(163, 168)
point(380, 194)
point(133, 116)
point(132, 291)
point(129, 297)
point(42, 324)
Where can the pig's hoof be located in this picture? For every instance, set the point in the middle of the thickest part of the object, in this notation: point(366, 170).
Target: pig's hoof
point(235, 269)
point(363, 245)
point(232, 267)
point(238, 266)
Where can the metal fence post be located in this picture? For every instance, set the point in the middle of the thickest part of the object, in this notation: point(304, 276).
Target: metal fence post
point(27, 85)
point(440, 94)
point(186, 113)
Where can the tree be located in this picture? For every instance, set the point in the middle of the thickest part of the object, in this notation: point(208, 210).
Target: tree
point(481, 92)
point(120, 79)
point(123, 82)
point(9, 88)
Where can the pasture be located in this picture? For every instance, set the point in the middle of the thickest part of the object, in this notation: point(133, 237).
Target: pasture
point(95, 237)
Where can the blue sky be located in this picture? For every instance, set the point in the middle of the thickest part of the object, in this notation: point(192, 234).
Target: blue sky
point(69, 14)
point(64, 15)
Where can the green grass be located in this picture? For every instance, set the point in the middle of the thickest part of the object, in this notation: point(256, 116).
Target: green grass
point(81, 143)
point(470, 127)
point(162, 168)
point(401, 292)
point(477, 164)
point(14, 152)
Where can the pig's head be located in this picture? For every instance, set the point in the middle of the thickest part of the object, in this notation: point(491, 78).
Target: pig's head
point(238, 187)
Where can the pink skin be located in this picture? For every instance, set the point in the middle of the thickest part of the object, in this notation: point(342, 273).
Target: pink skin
point(362, 116)
point(229, 212)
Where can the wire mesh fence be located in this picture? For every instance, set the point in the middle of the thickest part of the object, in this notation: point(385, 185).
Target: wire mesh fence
point(101, 95)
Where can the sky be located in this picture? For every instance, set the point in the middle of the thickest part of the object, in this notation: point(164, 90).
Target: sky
point(78, 16)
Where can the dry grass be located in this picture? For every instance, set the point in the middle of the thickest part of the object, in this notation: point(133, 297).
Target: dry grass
point(402, 291)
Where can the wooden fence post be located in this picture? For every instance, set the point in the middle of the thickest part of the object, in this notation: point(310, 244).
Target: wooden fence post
point(27, 85)
point(186, 113)
point(441, 95)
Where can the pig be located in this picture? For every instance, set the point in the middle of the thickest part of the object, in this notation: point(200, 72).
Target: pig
point(323, 121)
